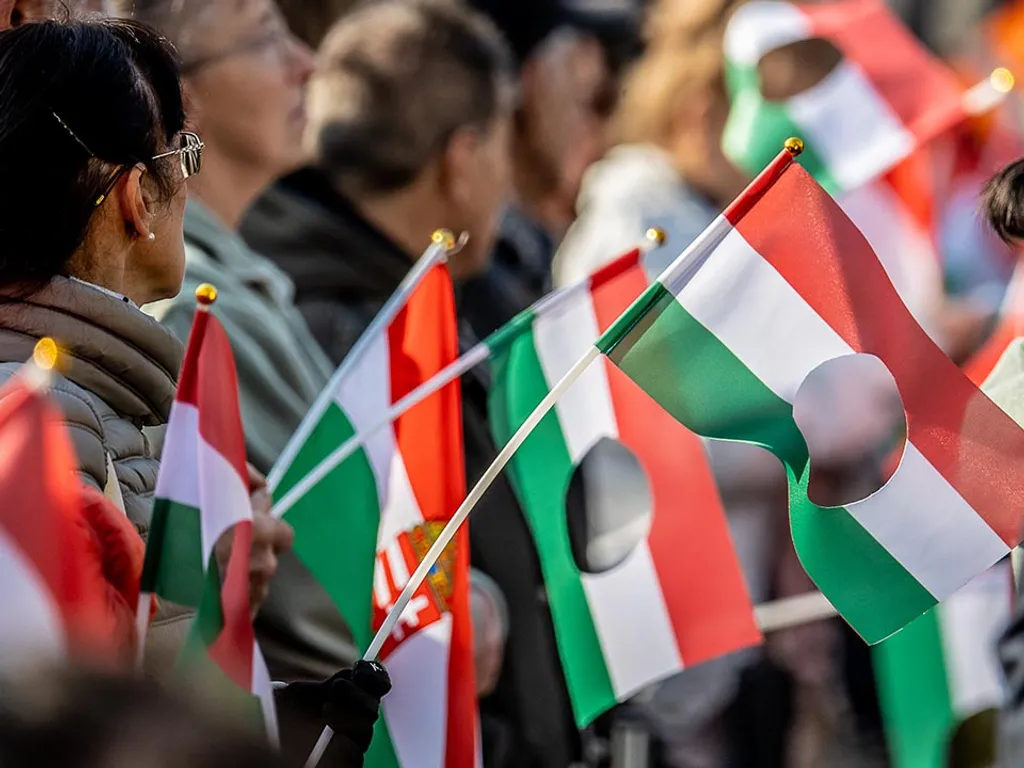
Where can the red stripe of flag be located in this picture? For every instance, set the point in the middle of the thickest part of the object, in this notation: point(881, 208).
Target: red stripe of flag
point(690, 545)
point(423, 340)
point(825, 258)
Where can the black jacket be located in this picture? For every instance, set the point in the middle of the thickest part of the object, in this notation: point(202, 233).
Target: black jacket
point(344, 270)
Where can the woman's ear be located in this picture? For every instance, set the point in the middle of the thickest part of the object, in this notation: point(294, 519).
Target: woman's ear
point(136, 203)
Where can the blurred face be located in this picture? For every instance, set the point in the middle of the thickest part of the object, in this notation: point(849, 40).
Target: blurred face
point(246, 75)
point(479, 189)
point(565, 110)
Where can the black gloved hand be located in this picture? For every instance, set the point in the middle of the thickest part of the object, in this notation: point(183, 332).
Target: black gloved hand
point(349, 702)
point(352, 703)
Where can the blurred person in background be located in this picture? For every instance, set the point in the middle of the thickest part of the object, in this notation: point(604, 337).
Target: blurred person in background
point(81, 719)
point(570, 58)
point(410, 123)
point(311, 19)
point(244, 75)
point(15, 12)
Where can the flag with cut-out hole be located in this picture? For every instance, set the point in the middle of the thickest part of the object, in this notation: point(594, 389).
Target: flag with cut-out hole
point(779, 284)
point(869, 123)
point(622, 619)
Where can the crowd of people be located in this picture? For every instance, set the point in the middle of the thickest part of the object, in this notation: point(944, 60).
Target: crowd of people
point(298, 155)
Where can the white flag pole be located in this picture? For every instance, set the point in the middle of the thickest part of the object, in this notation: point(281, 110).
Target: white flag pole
point(977, 100)
point(474, 357)
point(442, 245)
point(652, 239)
point(456, 521)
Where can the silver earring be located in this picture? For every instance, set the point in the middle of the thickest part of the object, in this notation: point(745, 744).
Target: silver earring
point(151, 237)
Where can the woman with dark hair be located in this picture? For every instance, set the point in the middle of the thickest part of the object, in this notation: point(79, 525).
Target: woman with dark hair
point(94, 153)
point(95, 156)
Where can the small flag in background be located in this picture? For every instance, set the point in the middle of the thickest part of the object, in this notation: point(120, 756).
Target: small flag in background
point(362, 530)
point(676, 600)
point(54, 600)
point(942, 669)
point(779, 284)
point(868, 124)
point(202, 493)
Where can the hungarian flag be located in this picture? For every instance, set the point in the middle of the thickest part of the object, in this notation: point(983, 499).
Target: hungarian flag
point(55, 601)
point(942, 670)
point(202, 493)
point(678, 598)
point(364, 527)
point(781, 283)
point(868, 124)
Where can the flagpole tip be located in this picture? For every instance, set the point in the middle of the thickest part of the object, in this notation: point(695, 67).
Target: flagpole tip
point(1002, 80)
point(656, 236)
point(206, 294)
point(45, 355)
point(794, 145)
point(443, 237)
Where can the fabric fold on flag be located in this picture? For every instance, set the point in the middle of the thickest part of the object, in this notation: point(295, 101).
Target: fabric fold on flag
point(678, 598)
point(779, 284)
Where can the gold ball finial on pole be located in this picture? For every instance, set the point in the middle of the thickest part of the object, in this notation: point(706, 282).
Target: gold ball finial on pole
point(46, 354)
point(206, 294)
point(443, 237)
point(656, 236)
point(1002, 80)
point(794, 145)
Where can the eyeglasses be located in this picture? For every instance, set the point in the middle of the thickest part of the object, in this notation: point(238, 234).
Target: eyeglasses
point(190, 156)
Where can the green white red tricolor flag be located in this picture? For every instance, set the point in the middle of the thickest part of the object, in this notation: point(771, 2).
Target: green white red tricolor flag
point(362, 529)
point(781, 283)
point(943, 669)
point(678, 598)
point(53, 604)
point(202, 493)
point(868, 123)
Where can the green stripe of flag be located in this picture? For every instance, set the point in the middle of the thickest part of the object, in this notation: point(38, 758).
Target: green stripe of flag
point(173, 568)
point(773, 125)
point(698, 380)
point(913, 690)
point(544, 459)
point(336, 522)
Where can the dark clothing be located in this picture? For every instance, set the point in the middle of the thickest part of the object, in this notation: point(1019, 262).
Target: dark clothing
point(520, 273)
point(344, 270)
